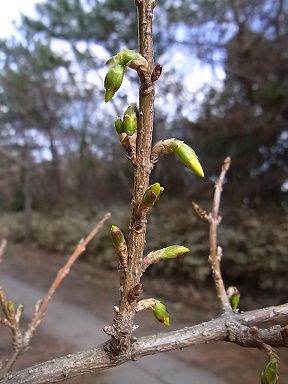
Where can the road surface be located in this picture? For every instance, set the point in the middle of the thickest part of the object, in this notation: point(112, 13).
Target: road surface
point(77, 327)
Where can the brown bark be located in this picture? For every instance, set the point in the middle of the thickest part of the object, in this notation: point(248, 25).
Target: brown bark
point(250, 329)
point(123, 322)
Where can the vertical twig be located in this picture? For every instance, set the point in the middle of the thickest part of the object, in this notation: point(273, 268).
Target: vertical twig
point(2, 249)
point(216, 251)
point(123, 322)
point(213, 218)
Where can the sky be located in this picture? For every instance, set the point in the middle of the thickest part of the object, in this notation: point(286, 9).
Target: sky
point(200, 74)
point(11, 11)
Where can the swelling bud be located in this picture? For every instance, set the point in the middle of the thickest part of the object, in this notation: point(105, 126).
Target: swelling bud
point(113, 81)
point(188, 157)
point(130, 119)
point(125, 56)
point(151, 195)
point(234, 297)
point(173, 251)
point(117, 236)
point(161, 313)
point(118, 124)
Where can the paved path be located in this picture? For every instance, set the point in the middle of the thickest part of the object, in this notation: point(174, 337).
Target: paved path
point(79, 328)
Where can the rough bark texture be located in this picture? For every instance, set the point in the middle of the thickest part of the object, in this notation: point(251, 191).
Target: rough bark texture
point(131, 288)
point(250, 329)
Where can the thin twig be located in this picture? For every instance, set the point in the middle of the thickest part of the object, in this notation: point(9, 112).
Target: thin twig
point(216, 251)
point(42, 305)
point(219, 187)
point(151, 258)
point(213, 218)
point(131, 286)
point(231, 327)
point(9, 364)
point(2, 249)
point(61, 274)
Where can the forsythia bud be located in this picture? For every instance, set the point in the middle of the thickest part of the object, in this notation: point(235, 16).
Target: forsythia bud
point(171, 145)
point(234, 297)
point(126, 55)
point(189, 158)
point(130, 119)
point(270, 375)
point(113, 81)
point(152, 194)
point(161, 313)
point(118, 125)
point(174, 251)
point(117, 236)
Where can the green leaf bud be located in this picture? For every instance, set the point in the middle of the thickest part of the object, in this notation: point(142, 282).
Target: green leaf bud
point(125, 56)
point(130, 119)
point(189, 158)
point(112, 61)
point(118, 125)
point(174, 251)
point(161, 313)
point(234, 301)
point(234, 297)
point(117, 236)
point(129, 58)
point(270, 375)
point(129, 125)
point(152, 194)
point(113, 81)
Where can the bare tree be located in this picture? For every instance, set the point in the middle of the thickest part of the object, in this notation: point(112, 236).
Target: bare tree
point(264, 328)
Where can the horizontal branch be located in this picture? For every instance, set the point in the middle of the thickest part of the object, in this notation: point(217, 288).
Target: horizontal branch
point(248, 329)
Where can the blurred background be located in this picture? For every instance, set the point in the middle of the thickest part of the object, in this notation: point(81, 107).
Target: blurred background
point(224, 90)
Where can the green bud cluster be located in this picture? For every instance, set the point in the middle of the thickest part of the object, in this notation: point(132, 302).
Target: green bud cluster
point(129, 123)
point(161, 313)
point(151, 195)
point(119, 64)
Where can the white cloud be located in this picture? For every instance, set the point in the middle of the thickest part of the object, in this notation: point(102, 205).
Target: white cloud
point(10, 13)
